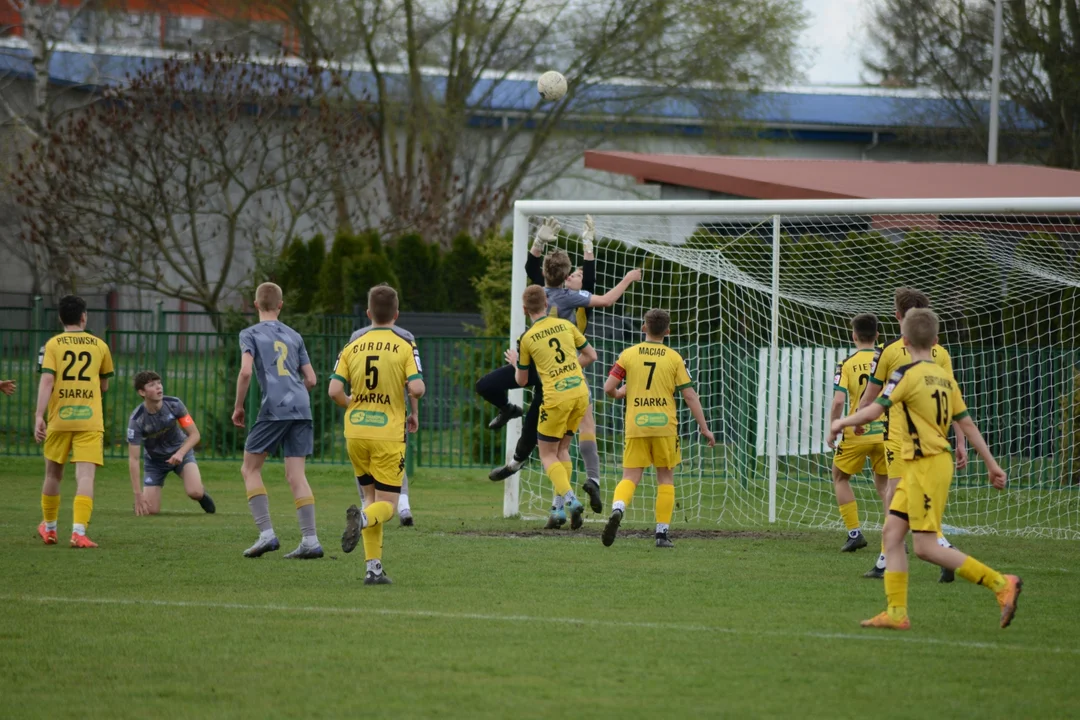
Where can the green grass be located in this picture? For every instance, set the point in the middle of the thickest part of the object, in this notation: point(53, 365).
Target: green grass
point(166, 619)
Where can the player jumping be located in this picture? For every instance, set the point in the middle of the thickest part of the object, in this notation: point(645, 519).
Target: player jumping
point(567, 299)
point(164, 431)
point(275, 354)
point(930, 400)
point(560, 352)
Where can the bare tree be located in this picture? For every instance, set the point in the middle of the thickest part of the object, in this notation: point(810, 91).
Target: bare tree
point(946, 45)
point(436, 66)
point(197, 166)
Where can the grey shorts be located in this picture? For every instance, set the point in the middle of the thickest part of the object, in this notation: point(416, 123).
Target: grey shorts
point(155, 471)
point(295, 437)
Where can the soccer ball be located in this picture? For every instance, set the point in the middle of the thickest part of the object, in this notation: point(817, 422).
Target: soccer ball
point(552, 86)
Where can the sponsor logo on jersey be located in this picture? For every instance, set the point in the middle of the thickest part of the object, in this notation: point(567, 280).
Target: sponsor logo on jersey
point(368, 418)
point(76, 412)
point(567, 383)
point(651, 419)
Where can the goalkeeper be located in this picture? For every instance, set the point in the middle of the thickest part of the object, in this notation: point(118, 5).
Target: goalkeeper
point(570, 296)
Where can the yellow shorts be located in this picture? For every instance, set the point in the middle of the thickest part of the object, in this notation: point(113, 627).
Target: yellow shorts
point(561, 419)
point(83, 446)
point(377, 462)
point(850, 457)
point(923, 492)
point(897, 465)
point(661, 452)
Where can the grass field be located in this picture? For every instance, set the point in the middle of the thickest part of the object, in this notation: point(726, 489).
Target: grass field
point(491, 618)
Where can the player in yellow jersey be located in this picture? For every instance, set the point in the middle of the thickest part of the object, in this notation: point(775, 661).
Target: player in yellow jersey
point(75, 372)
point(852, 452)
point(560, 353)
point(929, 400)
point(653, 373)
point(888, 360)
point(377, 365)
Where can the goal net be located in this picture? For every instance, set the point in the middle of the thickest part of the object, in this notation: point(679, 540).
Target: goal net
point(761, 294)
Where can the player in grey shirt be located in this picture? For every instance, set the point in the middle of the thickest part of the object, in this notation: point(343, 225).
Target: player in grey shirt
point(568, 299)
point(412, 424)
point(162, 429)
point(275, 354)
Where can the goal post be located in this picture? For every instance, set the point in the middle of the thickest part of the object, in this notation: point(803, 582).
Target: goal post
point(761, 293)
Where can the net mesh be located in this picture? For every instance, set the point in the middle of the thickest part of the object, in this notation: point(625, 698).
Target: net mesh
point(1006, 287)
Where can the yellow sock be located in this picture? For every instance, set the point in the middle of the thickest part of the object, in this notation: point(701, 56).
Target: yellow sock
point(378, 514)
point(559, 478)
point(569, 472)
point(301, 502)
point(896, 594)
point(50, 508)
point(975, 572)
point(84, 506)
point(261, 490)
point(624, 492)
point(665, 503)
point(850, 513)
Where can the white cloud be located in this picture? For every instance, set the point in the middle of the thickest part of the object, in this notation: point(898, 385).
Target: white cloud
point(834, 40)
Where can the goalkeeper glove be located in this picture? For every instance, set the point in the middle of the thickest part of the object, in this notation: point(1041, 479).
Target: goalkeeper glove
point(545, 234)
point(588, 234)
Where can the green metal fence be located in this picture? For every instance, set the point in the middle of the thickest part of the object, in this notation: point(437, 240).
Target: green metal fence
point(201, 369)
point(1026, 399)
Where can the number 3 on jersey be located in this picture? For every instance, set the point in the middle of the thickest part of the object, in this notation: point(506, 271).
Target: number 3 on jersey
point(283, 352)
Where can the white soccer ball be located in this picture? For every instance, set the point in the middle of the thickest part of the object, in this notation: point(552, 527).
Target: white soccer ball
point(552, 85)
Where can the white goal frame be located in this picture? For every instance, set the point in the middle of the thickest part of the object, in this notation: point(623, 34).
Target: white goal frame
point(524, 209)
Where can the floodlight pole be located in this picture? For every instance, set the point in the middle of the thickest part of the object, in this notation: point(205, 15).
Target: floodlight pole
point(995, 84)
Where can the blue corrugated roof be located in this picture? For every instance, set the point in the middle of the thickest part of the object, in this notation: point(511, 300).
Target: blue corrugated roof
point(810, 109)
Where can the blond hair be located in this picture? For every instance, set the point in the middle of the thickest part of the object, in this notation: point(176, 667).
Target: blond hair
point(268, 297)
point(535, 300)
point(920, 328)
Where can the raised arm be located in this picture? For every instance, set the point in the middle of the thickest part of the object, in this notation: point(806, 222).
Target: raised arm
point(612, 296)
point(588, 234)
point(546, 233)
point(534, 269)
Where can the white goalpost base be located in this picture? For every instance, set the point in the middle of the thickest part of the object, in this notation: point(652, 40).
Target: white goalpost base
point(761, 294)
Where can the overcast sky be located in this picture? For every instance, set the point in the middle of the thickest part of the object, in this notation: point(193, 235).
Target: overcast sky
point(834, 40)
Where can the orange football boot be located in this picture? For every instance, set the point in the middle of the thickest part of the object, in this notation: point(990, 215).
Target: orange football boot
point(882, 620)
point(47, 536)
point(81, 541)
point(1008, 597)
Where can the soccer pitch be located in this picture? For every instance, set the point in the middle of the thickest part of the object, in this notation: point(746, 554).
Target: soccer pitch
point(493, 618)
